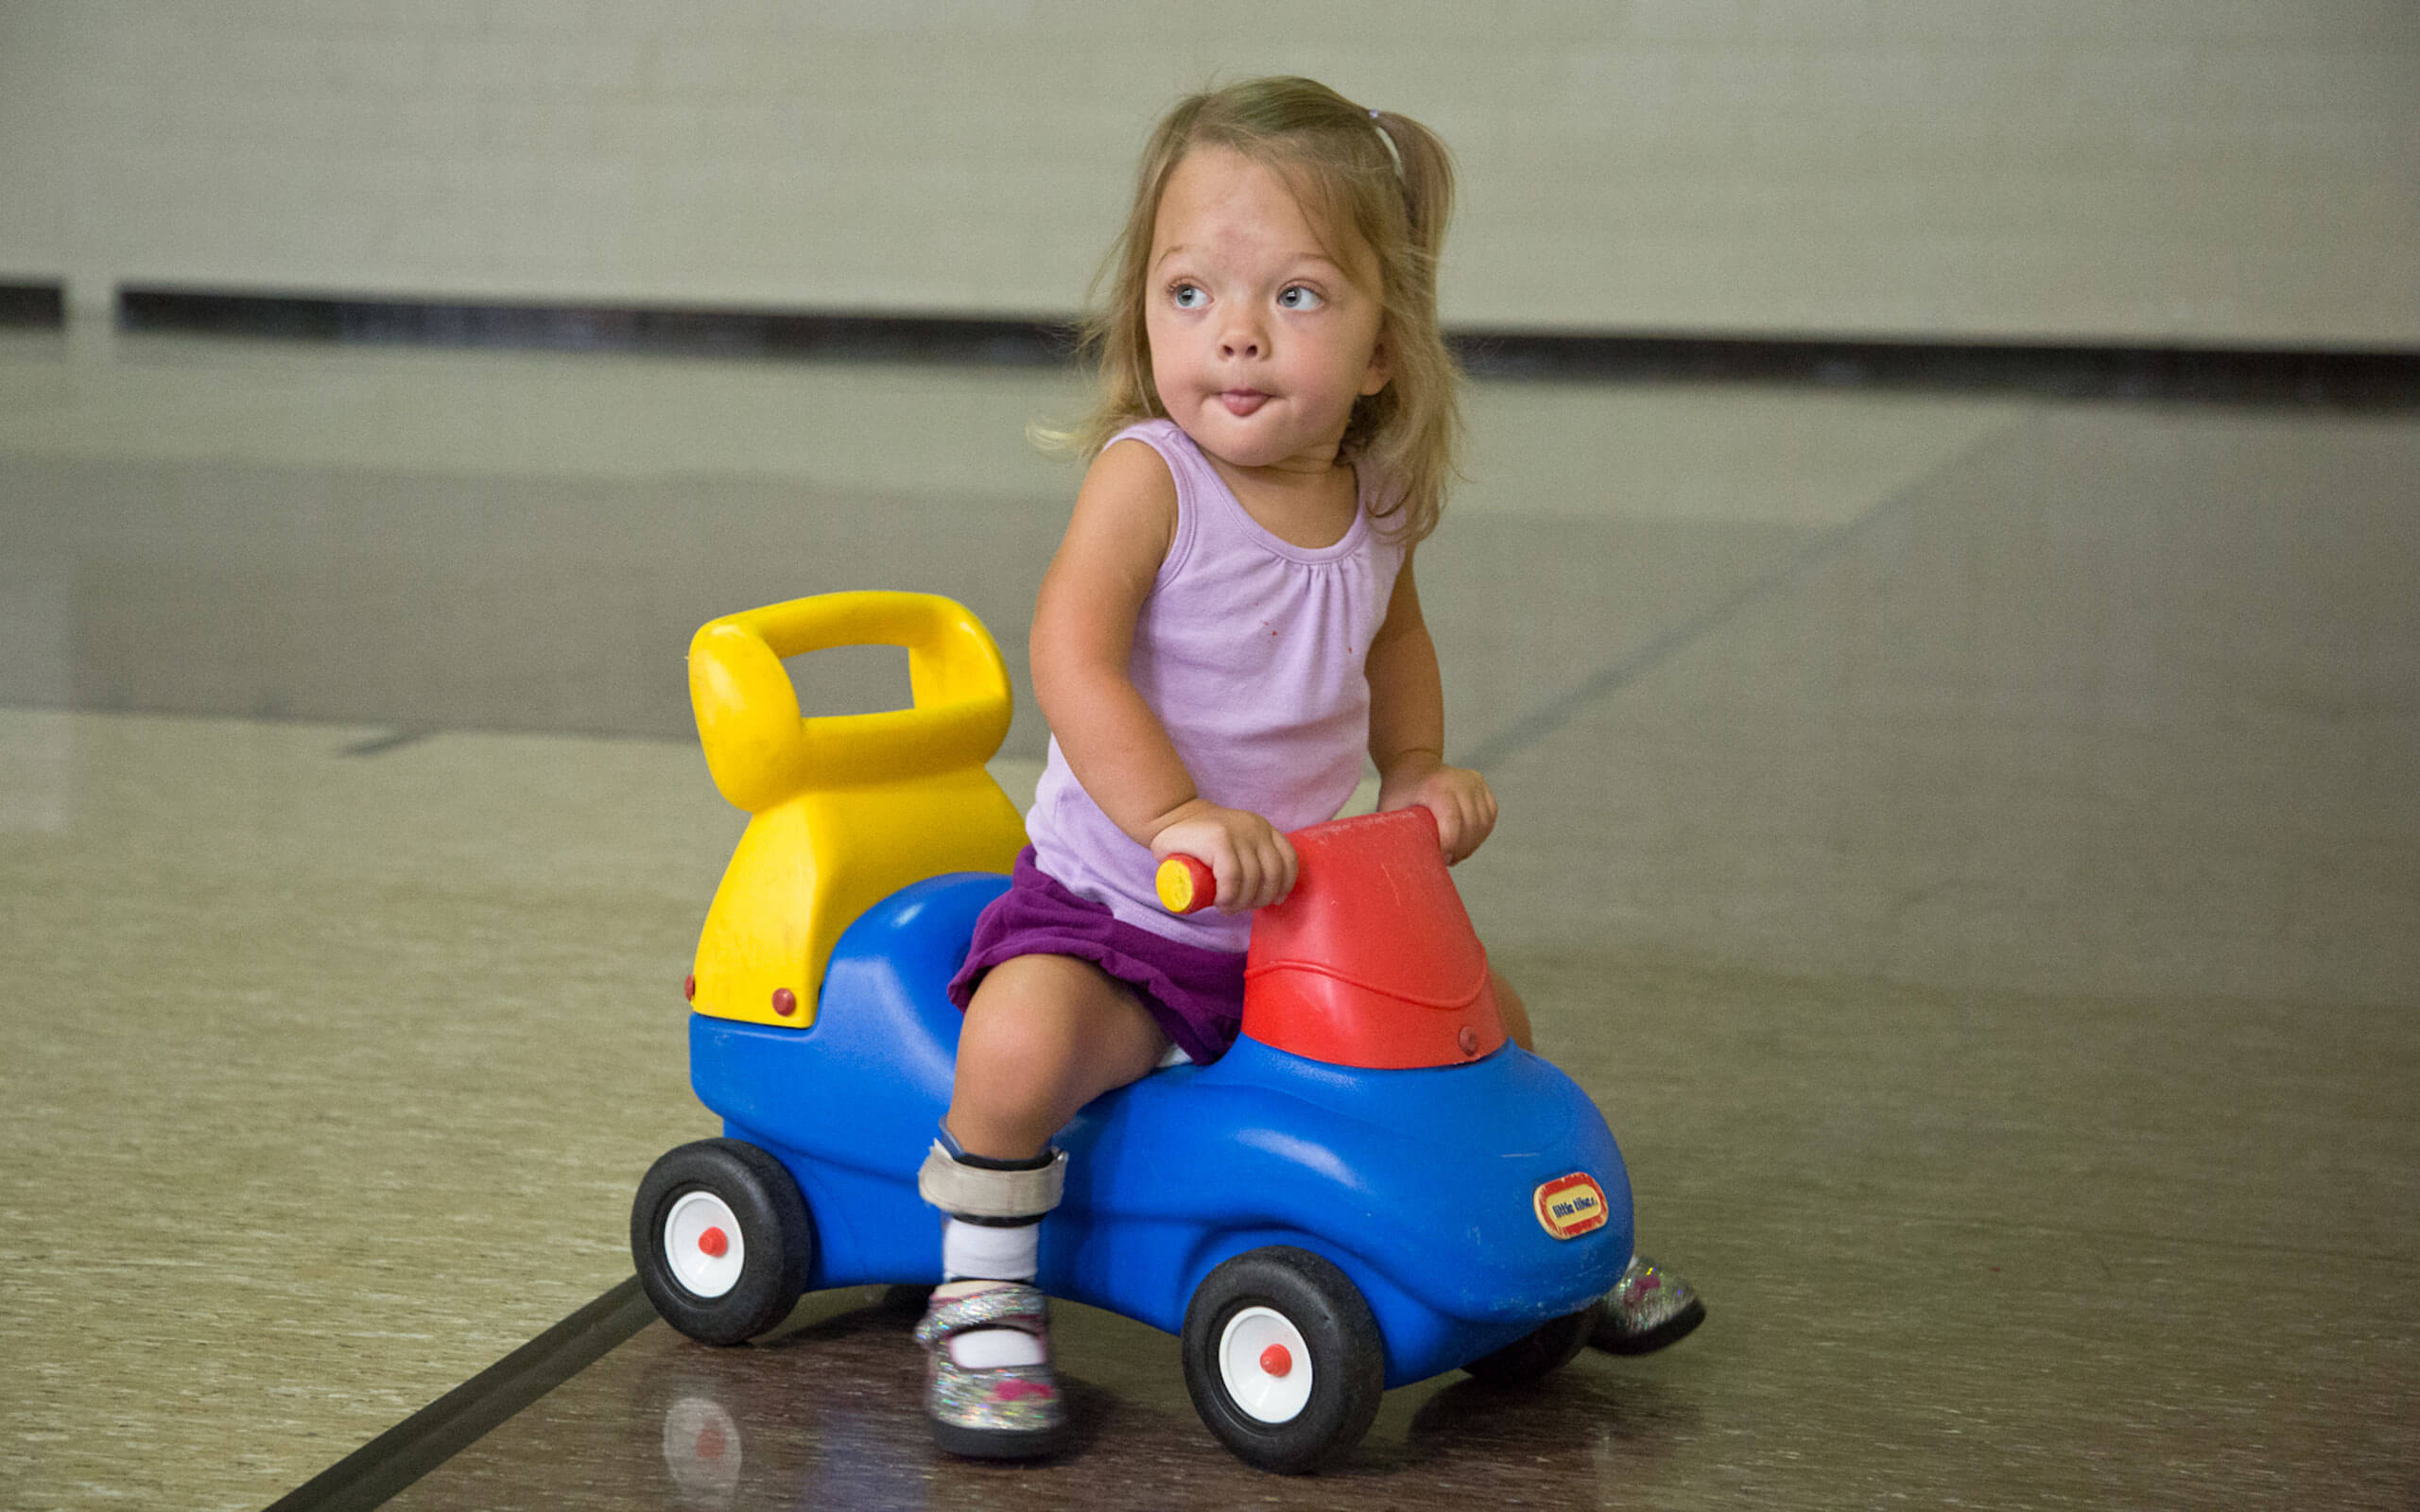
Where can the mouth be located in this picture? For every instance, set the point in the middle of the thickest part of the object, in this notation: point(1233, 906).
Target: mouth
point(1242, 402)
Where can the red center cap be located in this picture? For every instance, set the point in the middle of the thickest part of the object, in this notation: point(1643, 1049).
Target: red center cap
point(715, 1243)
point(1276, 1360)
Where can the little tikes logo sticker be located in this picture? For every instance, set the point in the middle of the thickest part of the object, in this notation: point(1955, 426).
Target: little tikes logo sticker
point(1572, 1205)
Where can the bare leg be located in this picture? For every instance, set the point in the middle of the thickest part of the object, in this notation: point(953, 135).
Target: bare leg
point(1043, 1036)
point(1511, 1010)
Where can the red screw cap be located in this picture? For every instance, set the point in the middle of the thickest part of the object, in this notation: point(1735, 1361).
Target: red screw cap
point(689, 987)
point(1468, 1039)
point(715, 1243)
point(785, 1002)
point(1277, 1361)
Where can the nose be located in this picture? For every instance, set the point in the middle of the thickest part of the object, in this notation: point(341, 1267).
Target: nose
point(1242, 337)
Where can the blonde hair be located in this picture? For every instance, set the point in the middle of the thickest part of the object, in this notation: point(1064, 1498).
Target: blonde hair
point(1386, 178)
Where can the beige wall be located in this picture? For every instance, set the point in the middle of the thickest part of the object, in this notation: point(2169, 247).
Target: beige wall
point(2194, 170)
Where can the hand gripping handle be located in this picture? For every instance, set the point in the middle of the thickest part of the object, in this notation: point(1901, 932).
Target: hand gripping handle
point(1187, 886)
point(761, 750)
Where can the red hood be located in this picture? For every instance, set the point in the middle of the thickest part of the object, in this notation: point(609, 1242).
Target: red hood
point(1371, 960)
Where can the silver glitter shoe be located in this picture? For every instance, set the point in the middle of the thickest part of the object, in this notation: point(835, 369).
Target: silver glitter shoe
point(1648, 1310)
point(997, 1412)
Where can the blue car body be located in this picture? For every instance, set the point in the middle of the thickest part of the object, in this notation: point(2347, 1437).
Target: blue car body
point(1423, 1186)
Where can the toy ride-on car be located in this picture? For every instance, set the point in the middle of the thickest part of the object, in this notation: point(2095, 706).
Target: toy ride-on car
point(1373, 1186)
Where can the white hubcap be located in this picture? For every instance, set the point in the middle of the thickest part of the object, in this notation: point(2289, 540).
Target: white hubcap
point(702, 1450)
point(1265, 1365)
point(702, 1244)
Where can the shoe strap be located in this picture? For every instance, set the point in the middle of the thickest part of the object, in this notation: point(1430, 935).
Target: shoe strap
point(1007, 1305)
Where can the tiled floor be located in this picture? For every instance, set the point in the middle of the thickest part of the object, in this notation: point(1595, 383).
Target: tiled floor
point(1968, 847)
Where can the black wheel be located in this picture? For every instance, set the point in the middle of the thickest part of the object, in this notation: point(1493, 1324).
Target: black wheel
point(1547, 1348)
point(722, 1240)
point(1283, 1359)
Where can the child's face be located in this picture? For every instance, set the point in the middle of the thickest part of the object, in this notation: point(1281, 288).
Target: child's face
point(1260, 339)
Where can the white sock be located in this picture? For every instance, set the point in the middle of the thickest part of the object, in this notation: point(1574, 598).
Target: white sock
point(975, 1251)
point(988, 1348)
point(981, 1251)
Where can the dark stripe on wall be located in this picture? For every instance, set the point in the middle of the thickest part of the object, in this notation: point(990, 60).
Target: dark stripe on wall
point(2310, 375)
point(33, 305)
point(2320, 376)
point(585, 328)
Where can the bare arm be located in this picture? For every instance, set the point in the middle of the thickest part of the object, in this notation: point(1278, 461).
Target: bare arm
point(1083, 637)
point(1408, 729)
point(1083, 633)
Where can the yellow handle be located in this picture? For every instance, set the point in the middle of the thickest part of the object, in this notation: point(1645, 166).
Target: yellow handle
point(760, 750)
point(1186, 883)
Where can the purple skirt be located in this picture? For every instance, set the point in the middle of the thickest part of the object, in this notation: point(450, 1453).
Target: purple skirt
point(1195, 995)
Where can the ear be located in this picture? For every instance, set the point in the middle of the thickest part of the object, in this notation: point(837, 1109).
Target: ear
point(1380, 370)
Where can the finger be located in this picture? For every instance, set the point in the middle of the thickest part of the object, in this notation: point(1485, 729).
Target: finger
point(1487, 811)
point(1450, 824)
point(1475, 805)
point(1449, 829)
point(1267, 872)
point(1266, 866)
point(1251, 868)
point(1247, 893)
point(1290, 867)
point(1227, 865)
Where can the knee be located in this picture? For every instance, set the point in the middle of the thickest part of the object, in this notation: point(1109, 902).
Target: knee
point(1008, 1049)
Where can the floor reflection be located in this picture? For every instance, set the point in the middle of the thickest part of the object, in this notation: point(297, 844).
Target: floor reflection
point(826, 1413)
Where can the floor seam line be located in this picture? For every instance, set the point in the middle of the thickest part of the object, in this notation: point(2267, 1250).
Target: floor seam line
point(384, 1466)
point(1536, 724)
point(391, 739)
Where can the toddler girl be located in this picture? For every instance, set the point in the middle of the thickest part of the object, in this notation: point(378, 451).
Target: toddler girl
point(1229, 623)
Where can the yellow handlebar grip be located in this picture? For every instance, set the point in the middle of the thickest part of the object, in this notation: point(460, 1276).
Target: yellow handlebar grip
point(1186, 884)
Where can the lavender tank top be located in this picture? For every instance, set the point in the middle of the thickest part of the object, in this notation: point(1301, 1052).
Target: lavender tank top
point(1252, 652)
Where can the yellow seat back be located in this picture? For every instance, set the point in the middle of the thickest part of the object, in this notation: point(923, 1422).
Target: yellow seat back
point(845, 809)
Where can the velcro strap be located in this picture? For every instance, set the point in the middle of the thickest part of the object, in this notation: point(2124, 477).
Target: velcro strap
point(997, 1305)
point(972, 1191)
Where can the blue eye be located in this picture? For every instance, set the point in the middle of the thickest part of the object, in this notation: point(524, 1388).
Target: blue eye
point(1295, 296)
point(1189, 296)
